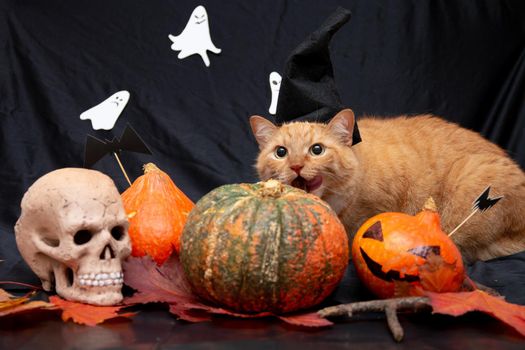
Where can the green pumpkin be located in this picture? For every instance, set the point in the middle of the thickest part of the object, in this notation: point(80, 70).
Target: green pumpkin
point(263, 247)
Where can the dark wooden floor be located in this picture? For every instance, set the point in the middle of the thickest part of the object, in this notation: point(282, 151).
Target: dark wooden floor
point(155, 328)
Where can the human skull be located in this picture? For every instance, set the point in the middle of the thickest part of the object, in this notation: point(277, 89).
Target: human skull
point(73, 233)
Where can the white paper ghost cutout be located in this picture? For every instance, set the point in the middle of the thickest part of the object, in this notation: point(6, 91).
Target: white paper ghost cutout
point(275, 85)
point(195, 38)
point(105, 114)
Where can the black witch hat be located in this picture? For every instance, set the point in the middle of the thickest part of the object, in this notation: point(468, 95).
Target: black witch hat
point(308, 91)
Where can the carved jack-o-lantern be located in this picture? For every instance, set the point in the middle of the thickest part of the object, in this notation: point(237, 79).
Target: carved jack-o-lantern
point(392, 251)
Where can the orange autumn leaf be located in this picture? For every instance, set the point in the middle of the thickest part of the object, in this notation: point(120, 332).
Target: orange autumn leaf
point(439, 276)
point(85, 314)
point(456, 304)
point(32, 305)
point(407, 289)
point(4, 296)
point(10, 305)
point(435, 275)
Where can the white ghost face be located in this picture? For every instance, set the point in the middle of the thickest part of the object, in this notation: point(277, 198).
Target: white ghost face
point(195, 38)
point(73, 233)
point(275, 86)
point(119, 98)
point(199, 15)
point(105, 114)
point(275, 81)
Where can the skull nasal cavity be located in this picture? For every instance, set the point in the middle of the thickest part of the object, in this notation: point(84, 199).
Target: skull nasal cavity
point(107, 253)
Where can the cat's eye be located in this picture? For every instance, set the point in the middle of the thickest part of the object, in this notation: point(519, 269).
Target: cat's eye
point(317, 149)
point(280, 152)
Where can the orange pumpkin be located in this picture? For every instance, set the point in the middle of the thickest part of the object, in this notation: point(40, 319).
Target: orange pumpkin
point(157, 211)
point(396, 254)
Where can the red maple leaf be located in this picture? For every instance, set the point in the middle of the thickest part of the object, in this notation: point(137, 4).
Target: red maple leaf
point(456, 304)
point(85, 314)
point(168, 284)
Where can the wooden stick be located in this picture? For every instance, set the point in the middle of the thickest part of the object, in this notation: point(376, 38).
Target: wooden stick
point(389, 306)
point(393, 322)
point(122, 167)
point(463, 222)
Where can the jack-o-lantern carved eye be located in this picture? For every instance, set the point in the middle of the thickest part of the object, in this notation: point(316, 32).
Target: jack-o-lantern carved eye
point(374, 232)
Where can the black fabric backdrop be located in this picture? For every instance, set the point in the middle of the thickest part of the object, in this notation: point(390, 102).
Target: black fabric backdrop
point(463, 60)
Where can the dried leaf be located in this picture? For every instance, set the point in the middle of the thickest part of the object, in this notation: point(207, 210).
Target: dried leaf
point(85, 314)
point(456, 304)
point(189, 315)
point(4, 296)
point(167, 284)
point(10, 305)
point(312, 319)
point(406, 289)
point(32, 305)
point(439, 276)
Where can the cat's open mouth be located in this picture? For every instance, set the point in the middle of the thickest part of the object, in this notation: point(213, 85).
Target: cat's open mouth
point(307, 185)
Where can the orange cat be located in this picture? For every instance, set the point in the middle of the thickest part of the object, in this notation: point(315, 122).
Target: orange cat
point(398, 165)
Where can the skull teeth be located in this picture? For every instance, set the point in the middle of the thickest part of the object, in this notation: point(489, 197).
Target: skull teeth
point(101, 283)
point(101, 279)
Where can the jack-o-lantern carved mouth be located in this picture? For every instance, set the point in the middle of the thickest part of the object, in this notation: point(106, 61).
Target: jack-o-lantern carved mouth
point(389, 276)
point(376, 232)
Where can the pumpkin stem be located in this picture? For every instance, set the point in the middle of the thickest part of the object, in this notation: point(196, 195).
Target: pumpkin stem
point(149, 167)
point(430, 205)
point(271, 188)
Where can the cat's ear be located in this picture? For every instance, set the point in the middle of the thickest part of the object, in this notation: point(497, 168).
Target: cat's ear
point(262, 129)
point(342, 125)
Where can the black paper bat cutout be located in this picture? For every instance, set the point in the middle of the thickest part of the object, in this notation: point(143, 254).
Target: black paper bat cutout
point(96, 149)
point(484, 202)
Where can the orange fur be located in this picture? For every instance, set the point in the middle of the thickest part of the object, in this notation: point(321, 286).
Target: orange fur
point(398, 165)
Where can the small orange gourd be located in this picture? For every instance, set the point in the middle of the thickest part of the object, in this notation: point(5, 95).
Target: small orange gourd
point(157, 210)
point(396, 254)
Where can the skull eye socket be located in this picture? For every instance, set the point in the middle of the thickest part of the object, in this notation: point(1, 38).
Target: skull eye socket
point(52, 242)
point(117, 232)
point(82, 237)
